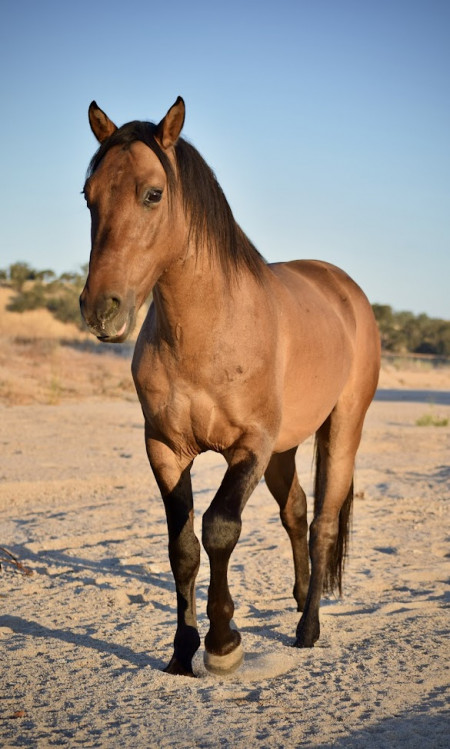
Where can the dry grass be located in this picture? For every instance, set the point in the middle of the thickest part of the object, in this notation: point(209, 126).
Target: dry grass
point(43, 360)
point(34, 324)
point(50, 371)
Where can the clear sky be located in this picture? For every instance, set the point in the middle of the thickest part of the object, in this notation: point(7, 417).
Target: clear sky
point(327, 123)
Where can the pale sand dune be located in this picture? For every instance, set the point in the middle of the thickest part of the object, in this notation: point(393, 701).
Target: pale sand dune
point(84, 638)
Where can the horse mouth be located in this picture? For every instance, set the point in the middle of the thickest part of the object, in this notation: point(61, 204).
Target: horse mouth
point(119, 336)
point(112, 333)
point(109, 318)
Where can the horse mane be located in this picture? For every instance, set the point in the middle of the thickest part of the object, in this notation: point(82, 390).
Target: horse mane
point(210, 216)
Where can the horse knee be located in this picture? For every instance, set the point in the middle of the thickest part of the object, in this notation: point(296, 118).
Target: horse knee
point(220, 533)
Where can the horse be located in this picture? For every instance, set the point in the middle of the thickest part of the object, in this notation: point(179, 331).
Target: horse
point(235, 355)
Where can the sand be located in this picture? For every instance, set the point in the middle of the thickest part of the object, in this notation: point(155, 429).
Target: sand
point(84, 638)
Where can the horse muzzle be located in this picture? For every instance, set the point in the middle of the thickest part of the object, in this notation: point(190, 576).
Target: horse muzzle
point(108, 317)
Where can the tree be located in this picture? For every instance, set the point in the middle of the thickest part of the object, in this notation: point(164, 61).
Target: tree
point(45, 275)
point(59, 295)
point(403, 332)
point(19, 273)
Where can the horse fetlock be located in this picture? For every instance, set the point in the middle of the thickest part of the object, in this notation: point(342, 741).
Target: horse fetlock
point(300, 593)
point(221, 639)
point(187, 640)
point(186, 644)
point(220, 610)
point(308, 632)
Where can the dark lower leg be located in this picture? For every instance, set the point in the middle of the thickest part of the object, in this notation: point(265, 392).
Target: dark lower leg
point(220, 536)
point(297, 529)
point(221, 531)
point(322, 541)
point(282, 481)
point(184, 555)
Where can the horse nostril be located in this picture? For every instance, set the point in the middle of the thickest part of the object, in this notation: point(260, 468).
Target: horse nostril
point(110, 308)
point(101, 313)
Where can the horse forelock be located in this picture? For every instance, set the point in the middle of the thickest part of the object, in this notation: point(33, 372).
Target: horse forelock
point(124, 137)
point(207, 210)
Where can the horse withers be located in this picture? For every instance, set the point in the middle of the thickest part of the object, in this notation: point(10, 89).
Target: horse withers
point(236, 356)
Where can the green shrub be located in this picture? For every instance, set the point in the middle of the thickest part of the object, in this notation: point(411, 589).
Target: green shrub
point(432, 420)
point(33, 298)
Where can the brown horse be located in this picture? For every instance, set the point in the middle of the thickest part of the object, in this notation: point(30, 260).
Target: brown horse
point(236, 356)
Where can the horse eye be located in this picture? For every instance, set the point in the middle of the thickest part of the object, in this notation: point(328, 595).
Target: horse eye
point(151, 196)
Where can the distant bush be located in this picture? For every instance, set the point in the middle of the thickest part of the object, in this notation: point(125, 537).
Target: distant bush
point(65, 306)
point(19, 273)
point(404, 332)
point(43, 290)
point(33, 298)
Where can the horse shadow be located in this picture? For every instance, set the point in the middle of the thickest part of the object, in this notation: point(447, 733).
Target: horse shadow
point(71, 565)
point(412, 727)
point(124, 351)
point(36, 630)
point(82, 571)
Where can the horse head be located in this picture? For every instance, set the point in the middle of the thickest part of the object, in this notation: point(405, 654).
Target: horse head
point(135, 232)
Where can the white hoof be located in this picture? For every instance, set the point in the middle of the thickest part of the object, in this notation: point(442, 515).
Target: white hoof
point(224, 664)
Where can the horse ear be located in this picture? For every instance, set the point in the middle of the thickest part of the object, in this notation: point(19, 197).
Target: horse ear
point(101, 125)
point(171, 125)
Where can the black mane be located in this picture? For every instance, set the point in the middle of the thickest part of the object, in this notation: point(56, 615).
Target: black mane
point(211, 218)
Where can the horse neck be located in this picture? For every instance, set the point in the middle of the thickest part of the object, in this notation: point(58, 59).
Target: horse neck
point(192, 292)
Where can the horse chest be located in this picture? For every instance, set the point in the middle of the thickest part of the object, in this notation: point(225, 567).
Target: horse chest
point(182, 410)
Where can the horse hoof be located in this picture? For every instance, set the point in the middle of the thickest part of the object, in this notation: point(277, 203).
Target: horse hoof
point(305, 639)
point(302, 644)
point(224, 664)
point(177, 669)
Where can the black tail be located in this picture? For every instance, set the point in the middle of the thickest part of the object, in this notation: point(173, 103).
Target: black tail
point(337, 556)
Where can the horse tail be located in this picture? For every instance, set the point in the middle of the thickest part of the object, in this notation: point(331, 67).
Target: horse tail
point(337, 555)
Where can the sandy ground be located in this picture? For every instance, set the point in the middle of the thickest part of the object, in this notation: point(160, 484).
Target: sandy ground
point(83, 639)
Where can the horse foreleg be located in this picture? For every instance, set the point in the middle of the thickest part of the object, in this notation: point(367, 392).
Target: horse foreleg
point(184, 552)
point(221, 531)
point(282, 481)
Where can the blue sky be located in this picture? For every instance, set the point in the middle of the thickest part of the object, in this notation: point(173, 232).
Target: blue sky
point(327, 123)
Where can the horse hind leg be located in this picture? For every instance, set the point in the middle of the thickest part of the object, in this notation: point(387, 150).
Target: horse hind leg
point(282, 482)
point(337, 441)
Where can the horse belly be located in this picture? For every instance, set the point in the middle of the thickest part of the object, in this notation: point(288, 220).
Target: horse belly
point(311, 390)
point(301, 419)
